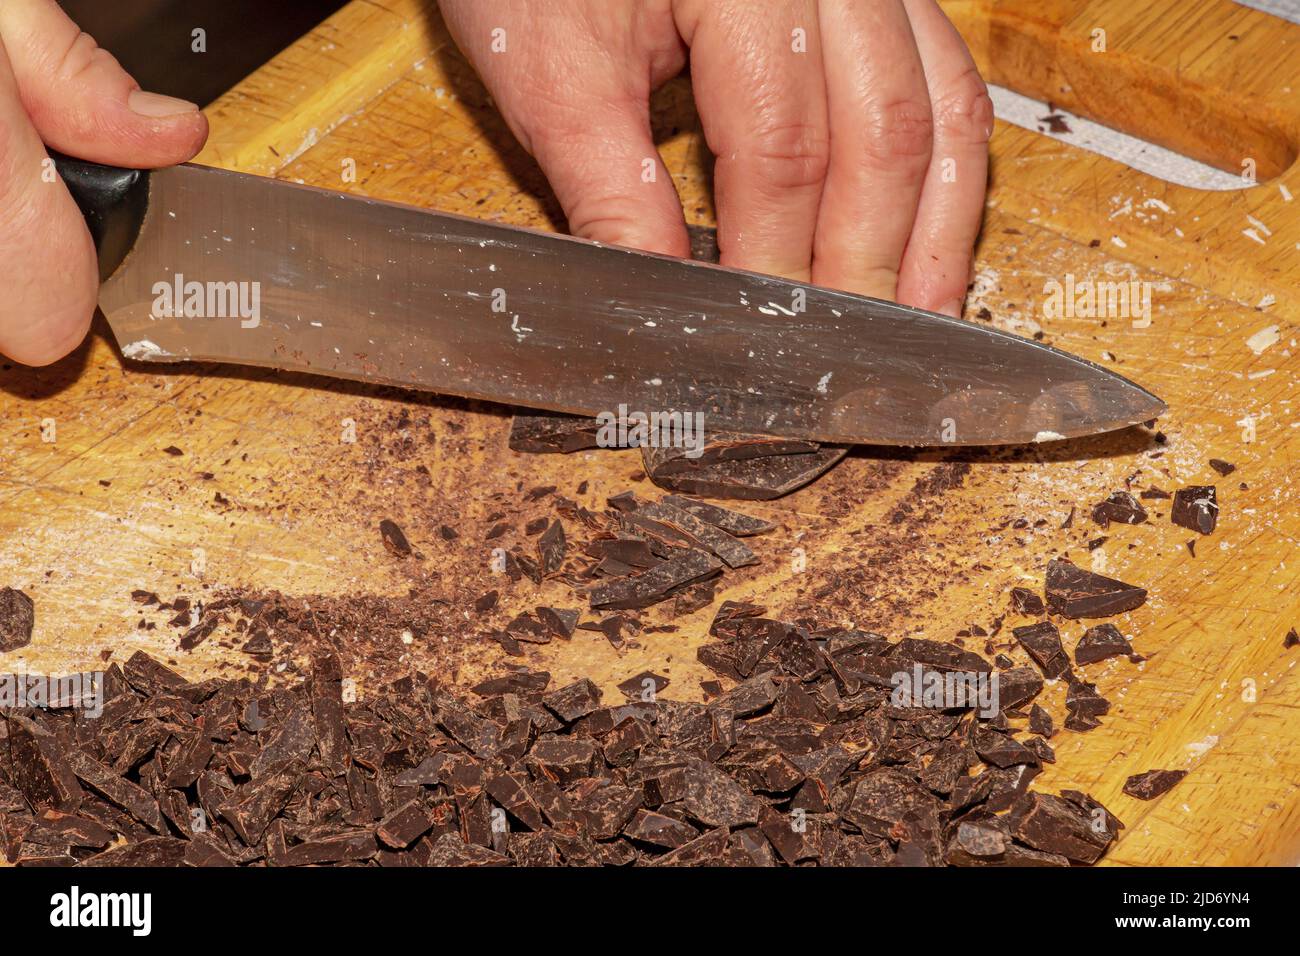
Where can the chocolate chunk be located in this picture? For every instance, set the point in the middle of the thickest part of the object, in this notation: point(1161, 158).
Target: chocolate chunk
point(1084, 705)
point(1153, 783)
point(701, 534)
point(352, 845)
point(659, 830)
point(653, 585)
point(258, 802)
point(551, 547)
point(1222, 467)
point(39, 767)
point(1291, 640)
point(327, 711)
point(560, 622)
point(643, 687)
point(1120, 507)
point(1056, 825)
point(1025, 601)
point(1100, 642)
point(884, 797)
point(17, 618)
point(394, 539)
point(1196, 507)
point(576, 700)
point(118, 791)
point(543, 434)
point(1016, 686)
point(715, 800)
point(1073, 592)
point(1154, 494)
point(1043, 642)
point(608, 809)
point(751, 478)
point(150, 677)
point(732, 522)
point(1040, 722)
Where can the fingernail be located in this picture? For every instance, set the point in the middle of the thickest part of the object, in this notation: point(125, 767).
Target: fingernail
point(156, 105)
point(952, 308)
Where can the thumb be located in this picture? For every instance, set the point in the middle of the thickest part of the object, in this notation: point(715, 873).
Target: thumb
point(83, 103)
point(47, 259)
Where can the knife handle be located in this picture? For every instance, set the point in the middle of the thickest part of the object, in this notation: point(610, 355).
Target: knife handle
point(114, 202)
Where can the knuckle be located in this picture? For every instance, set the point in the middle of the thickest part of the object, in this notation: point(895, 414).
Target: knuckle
point(964, 111)
point(900, 130)
point(790, 155)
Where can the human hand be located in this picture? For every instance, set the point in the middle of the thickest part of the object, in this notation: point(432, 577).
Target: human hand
point(58, 87)
point(858, 163)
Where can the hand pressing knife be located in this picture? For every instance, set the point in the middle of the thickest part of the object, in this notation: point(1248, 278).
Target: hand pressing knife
point(205, 265)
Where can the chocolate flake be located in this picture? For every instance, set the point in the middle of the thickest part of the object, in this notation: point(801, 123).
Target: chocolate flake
point(17, 619)
point(1100, 642)
point(1153, 783)
point(1073, 592)
point(1196, 508)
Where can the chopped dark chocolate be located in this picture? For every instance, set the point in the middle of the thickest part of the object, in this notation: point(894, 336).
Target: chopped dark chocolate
point(1196, 508)
point(732, 522)
point(1043, 642)
point(748, 477)
point(700, 533)
point(1120, 507)
point(1073, 592)
point(1153, 783)
point(542, 434)
point(1100, 642)
point(394, 539)
point(551, 547)
point(655, 584)
point(643, 687)
point(1224, 468)
point(1025, 601)
point(17, 618)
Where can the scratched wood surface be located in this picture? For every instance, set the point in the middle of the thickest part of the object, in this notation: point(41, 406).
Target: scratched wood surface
point(102, 510)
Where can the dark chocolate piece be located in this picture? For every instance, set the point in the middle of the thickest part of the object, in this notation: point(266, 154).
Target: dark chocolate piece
point(39, 766)
point(576, 700)
point(1224, 468)
point(1073, 592)
point(656, 584)
point(560, 622)
point(1196, 507)
point(643, 687)
point(1100, 642)
point(1153, 783)
point(1043, 642)
point(1120, 507)
point(754, 479)
point(394, 538)
point(545, 434)
point(1025, 601)
point(700, 533)
point(17, 618)
point(732, 522)
point(1057, 825)
point(551, 547)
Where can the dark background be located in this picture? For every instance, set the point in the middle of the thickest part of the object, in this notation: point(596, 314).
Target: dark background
point(152, 38)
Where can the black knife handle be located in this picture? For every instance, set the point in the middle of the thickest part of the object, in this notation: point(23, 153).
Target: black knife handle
point(113, 201)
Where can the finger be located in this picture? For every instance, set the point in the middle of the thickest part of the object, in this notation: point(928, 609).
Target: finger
point(936, 264)
point(759, 86)
point(881, 135)
point(47, 259)
point(575, 90)
point(83, 103)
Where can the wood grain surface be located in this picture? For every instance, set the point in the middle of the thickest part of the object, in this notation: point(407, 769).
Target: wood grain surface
point(102, 509)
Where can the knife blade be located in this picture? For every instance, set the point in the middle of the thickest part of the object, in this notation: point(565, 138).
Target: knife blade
point(207, 265)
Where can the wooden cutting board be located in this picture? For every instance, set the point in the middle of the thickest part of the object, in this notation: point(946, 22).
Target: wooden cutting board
point(268, 493)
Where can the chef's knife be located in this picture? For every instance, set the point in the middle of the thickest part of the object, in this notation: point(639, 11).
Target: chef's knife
point(206, 265)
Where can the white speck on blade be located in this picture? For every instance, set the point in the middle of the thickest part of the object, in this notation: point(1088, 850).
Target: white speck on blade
point(688, 330)
point(142, 349)
point(1048, 436)
point(767, 311)
point(822, 382)
point(1263, 339)
point(655, 381)
point(780, 308)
